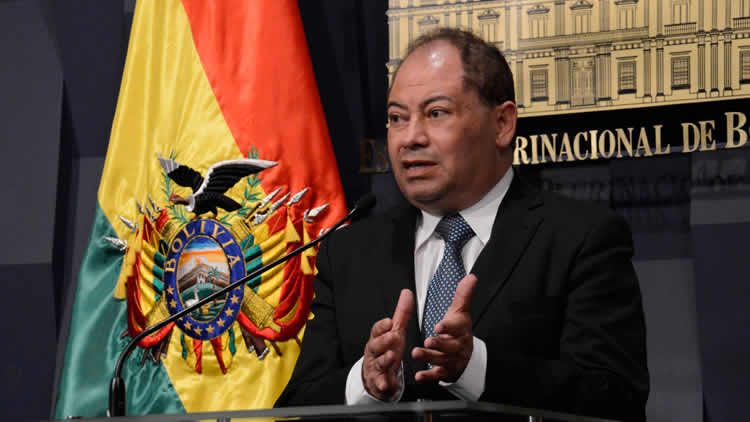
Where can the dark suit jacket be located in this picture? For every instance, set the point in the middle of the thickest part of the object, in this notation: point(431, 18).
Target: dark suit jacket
point(557, 304)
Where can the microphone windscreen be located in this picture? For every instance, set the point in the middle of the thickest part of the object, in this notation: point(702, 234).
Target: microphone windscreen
point(364, 204)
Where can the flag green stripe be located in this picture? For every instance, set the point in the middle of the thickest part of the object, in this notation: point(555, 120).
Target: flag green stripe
point(94, 342)
point(159, 259)
point(253, 254)
point(254, 261)
point(158, 285)
point(158, 277)
point(232, 349)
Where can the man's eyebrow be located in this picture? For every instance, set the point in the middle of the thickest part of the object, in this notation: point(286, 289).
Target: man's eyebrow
point(396, 104)
point(423, 104)
point(431, 100)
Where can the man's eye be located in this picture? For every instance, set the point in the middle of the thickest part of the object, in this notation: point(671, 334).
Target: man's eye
point(435, 113)
point(394, 119)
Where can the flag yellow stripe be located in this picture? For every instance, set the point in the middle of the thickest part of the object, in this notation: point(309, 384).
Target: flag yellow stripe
point(166, 104)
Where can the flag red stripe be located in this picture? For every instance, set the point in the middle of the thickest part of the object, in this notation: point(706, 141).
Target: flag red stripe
point(256, 59)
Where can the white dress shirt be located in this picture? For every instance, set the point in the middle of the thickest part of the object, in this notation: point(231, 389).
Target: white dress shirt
point(428, 252)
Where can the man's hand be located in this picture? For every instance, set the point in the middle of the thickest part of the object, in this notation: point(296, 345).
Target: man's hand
point(385, 349)
point(450, 351)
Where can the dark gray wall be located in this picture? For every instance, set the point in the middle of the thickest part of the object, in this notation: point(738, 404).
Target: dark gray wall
point(30, 114)
point(59, 75)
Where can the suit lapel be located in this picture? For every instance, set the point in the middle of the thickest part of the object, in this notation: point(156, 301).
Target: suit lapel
point(401, 275)
point(401, 260)
point(514, 226)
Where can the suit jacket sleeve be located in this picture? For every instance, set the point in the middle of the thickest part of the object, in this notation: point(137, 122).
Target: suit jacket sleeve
point(601, 364)
point(320, 374)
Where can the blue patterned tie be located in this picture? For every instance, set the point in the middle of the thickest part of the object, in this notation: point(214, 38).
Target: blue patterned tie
point(455, 233)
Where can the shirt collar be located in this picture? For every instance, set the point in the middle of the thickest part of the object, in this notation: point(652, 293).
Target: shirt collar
point(480, 216)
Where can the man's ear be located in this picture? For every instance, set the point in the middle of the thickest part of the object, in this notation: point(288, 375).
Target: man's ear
point(506, 115)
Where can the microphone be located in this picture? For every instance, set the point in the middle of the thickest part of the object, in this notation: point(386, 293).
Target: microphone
point(365, 203)
point(117, 385)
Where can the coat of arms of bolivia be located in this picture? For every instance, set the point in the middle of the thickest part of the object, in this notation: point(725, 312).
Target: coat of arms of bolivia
point(185, 247)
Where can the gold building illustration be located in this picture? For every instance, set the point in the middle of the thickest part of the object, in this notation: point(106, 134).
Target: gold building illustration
point(588, 55)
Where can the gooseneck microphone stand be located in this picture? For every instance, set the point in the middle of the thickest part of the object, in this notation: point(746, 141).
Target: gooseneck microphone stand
point(117, 385)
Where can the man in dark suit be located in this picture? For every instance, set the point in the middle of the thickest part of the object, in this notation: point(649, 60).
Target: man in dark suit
point(550, 315)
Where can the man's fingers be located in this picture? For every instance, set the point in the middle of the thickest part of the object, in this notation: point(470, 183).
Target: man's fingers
point(454, 324)
point(434, 357)
point(436, 373)
point(462, 298)
point(449, 353)
point(438, 356)
point(404, 309)
point(385, 348)
point(379, 375)
point(381, 382)
point(445, 344)
point(382, 344)
point(384, 362)
point(381, 327)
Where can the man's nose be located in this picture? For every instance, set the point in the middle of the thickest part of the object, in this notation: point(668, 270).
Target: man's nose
point(416, 134)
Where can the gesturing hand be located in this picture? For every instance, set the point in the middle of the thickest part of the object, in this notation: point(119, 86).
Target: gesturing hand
point(385, 349)
point(450, 351)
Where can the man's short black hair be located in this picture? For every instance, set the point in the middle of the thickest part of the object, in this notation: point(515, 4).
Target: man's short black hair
point(485, 67)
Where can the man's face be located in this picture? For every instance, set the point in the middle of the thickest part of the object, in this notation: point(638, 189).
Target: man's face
point(445, 145)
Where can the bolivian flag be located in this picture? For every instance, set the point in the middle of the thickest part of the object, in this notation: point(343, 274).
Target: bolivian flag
point(209, 88)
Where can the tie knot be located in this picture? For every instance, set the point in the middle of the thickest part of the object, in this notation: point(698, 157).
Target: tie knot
point(454, 230)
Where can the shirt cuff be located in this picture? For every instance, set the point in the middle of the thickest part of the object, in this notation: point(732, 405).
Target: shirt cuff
point(357, 394)
point(470, 385)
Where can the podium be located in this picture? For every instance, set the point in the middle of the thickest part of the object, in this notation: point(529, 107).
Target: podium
point(426, 411)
